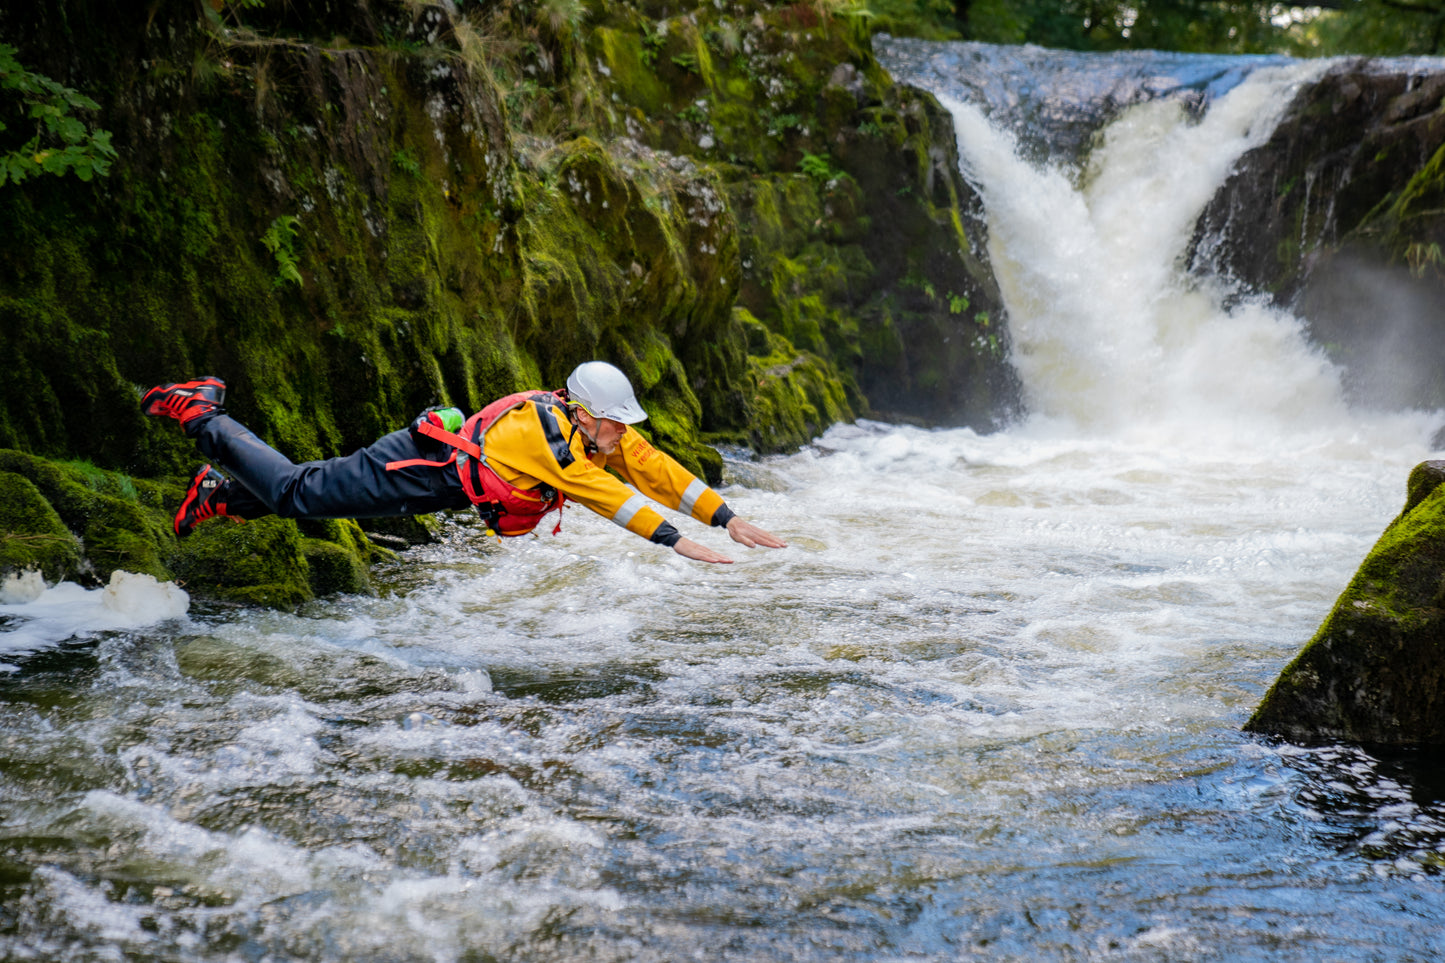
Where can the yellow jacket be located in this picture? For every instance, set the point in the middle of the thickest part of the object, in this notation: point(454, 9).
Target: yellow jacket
point(531, 446)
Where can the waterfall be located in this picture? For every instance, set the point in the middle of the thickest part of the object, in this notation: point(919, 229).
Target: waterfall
point(1111, 333)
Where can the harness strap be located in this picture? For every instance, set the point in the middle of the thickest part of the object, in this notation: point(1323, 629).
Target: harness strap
point(450, 438)
point(469, 458)
point(414, 462)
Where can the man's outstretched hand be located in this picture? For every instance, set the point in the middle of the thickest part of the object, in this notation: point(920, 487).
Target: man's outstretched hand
point(687, 548)
point(745, 533)
point(752, 536)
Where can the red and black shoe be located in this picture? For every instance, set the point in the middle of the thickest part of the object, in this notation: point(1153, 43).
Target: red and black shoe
point(185, 401)
point(206, 498)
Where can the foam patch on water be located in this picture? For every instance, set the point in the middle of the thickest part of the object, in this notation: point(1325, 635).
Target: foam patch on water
point(68, 611)
point(335, 902)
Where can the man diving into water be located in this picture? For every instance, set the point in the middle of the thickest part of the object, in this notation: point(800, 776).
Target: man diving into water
point(516, 460)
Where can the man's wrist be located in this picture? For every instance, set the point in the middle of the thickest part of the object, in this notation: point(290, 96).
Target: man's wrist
point(722, 516)
point(665, 534)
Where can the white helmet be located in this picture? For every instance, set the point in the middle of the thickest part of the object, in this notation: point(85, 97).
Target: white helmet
point(604, 392)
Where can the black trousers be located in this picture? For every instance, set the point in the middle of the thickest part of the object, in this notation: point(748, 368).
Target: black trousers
point(358, 485)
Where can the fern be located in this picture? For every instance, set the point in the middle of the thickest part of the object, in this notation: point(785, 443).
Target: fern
point(278, 239)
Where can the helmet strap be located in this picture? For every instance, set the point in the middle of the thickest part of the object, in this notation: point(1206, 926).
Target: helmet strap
point(590, 443)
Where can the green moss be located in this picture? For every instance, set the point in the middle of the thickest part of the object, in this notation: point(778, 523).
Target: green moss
point(125, 530)
point(404, 530)
point(332, 569)
point(73, 520)
point(620, 52)
point(122, 535)
point(32, 536)
point(338, 554)
point(797, 394)
point(257, 563)
point(1407, 221)
point(1425, 192)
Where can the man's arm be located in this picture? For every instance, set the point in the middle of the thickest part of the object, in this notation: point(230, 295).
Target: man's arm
point(526, 451)
point(659, 476)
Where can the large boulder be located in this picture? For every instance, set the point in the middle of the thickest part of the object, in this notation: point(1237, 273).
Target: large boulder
point(1375, 671)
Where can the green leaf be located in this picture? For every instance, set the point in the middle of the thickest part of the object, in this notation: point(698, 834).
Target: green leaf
point(70, 130)
point(100, 140)
point(78, 100)
point(17, 168)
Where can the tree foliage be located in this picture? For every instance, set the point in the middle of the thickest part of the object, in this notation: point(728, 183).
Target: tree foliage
point(61, 142)
point(1327, 27)
point(1384, 27)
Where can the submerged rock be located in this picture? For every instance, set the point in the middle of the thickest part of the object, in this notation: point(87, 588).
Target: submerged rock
point(1375, 671)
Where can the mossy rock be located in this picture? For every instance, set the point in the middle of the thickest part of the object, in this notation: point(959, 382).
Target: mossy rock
point(345, 533)
point(121, 535)
point(259, 562)
point(403, 531)
point(73, 520)
point(1374, 673)
point(332, 569)
point(338, 554)
point(797, 394)
point(120, 522)
point(32, 536)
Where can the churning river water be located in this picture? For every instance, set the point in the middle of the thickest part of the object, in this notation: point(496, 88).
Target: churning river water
point(987, 705)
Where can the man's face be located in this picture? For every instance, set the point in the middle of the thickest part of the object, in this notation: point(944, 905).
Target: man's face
point(605, 432)
point(609, 433)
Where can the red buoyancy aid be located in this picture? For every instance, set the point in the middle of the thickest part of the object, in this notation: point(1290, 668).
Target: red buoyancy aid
point(507, 511)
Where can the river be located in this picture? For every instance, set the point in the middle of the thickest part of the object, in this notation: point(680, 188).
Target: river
point(986, 705)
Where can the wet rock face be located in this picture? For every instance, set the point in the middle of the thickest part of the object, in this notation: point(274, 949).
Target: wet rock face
point(1339, 217)
point(1375, 671)
point(446, 245)
point(354, 209)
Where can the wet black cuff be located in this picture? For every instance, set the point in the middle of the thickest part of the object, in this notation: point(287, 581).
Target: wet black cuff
point(722, 516)
point(666, 535)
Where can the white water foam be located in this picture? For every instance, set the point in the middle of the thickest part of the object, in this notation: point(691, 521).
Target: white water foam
point(69, 611)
